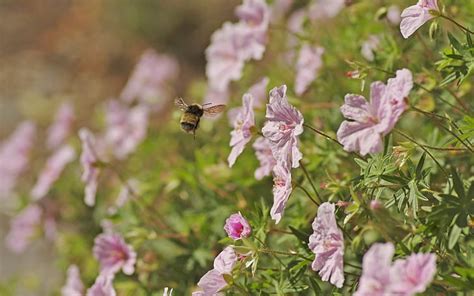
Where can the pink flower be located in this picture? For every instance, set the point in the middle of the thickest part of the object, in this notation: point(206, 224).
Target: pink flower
point(375, 279)
point(74, 285)
point(149, 82)
point(369, 47)
point(327, 243)
point(393, 15)
point(52, 170)
point(242, 133)
point(213, 281)
point(369, 122)
point(283, 126)
point(254, 13)
point(415, 16)
point(405, 277)
point(89, 161)
point(23, 227)
point(264, 154)
point(61, 127)
point(126, 127)
point(413, 274)
point(324, 9)
point(14, 156)
point(259, 92)
point(102, 287)
point(231, 46)
point(234, 44)
point(237, 227)
point(281, 190)
point(114, 254)
point(307, 67)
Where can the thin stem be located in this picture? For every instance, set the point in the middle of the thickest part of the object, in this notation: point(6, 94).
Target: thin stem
point(322, 134)
point(307, 194)
point(461, 102)
point(424, 149)
point(352, 265)
point(320, 200)
point(456, 23)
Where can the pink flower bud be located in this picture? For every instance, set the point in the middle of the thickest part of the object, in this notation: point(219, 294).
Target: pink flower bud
point(237, 227)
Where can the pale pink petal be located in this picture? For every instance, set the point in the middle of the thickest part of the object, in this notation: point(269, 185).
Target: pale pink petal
point(61, 127)
point(114, 254)
point(242, 133)
point(281, 191)
point(225, 261)
point(264, 154)
point(375, 279)
point(89, 160)
point(307, 66)
point(52, 170)
point(23, 228)
point(211, 283)
point(74, 285)
point(324, 9)
point(412, 275)
point(415, 16)
point(102, 287)
point(327, 243)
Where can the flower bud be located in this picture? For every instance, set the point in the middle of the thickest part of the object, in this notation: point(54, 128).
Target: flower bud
point(237, 227)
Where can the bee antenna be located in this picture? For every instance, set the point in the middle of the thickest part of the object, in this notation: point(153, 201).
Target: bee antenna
point(206, 104)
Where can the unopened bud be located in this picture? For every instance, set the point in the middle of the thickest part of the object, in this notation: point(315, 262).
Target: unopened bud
point(381, 13)
point(353, 74)
point(434, 29)
point(375, 205)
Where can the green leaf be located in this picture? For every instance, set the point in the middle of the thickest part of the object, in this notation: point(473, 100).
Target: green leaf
point(454, 236)
point(419, 167)
point(299, 234)
point(458, 184)
point(455, 43)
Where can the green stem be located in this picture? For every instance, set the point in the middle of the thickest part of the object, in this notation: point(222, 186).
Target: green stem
point(322, 134)
point(424, 149)
point(456, 23)
point(311, 182)
point(307, 194)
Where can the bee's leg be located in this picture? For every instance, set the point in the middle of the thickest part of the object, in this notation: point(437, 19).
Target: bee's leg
point(194, 134)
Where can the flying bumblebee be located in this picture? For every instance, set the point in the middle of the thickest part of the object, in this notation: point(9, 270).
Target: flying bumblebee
point(192, 114)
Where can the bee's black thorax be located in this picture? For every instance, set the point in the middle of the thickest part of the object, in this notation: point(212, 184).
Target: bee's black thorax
point(195, 109)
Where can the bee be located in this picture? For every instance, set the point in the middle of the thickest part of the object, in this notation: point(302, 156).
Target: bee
point(192, 114)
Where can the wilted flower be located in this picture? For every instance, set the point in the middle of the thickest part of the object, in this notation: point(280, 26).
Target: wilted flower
point(369, 122)
point(61, 127)
point(14, 156)
point(281, 190)
point(102, 287)
point(264, 154)
point(405, 277)
point(324, 9)
point(89, 161)
point(283, 126)
point(393, 15)
point(213, 281)
point(114, 254)
point(242, 133)
point(52, 170)
point(237, 226)
point(307, 67)
point(23, 228)
point(149, 82)
point(415, 16)
point(327, 243)
point(126, 127)
point(74, 285)
point(369, 47)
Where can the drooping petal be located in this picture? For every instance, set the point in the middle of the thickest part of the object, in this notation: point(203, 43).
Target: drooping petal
point(264, 154)
point(242, 133)
point(412, 275)
point(281, 190)
point(327, 243)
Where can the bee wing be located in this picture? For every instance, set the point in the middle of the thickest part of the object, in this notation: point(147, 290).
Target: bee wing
point(179, 102)
point(213, 110)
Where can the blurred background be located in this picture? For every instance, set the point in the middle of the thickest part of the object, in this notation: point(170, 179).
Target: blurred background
point(83, 52)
